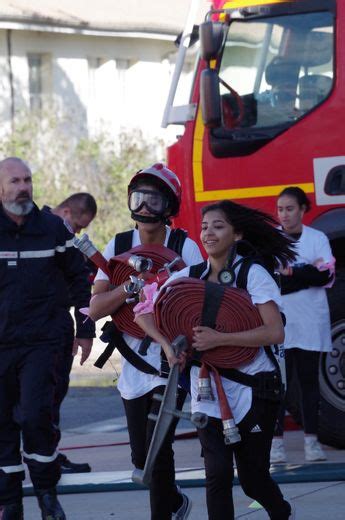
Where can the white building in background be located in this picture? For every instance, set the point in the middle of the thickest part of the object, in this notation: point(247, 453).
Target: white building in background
point(108, 63)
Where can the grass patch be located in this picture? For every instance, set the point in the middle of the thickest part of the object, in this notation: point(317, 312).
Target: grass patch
point(93, 381)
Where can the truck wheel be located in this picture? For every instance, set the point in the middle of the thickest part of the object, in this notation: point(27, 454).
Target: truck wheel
point(332, 372)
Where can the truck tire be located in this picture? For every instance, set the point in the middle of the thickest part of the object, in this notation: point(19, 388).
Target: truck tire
point(332, 372)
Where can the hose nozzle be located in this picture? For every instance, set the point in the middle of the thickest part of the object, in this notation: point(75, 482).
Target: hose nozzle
point(230, 432)
point(140, 263)
point(85, 245)
point(204, 389)
point(135, 286)
point(168, 266)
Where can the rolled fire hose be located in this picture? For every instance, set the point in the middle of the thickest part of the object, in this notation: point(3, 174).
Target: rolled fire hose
point(121, 268)
point(160, 263)
point(180, 306)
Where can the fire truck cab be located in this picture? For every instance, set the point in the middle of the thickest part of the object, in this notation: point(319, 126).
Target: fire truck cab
point(266, 106)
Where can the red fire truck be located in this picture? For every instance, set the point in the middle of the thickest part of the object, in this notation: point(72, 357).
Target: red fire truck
point(265, 111)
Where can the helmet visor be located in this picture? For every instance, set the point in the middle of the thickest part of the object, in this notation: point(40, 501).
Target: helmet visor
point(155, 202)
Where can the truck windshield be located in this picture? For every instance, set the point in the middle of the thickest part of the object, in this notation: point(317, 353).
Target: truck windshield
point(278, 69)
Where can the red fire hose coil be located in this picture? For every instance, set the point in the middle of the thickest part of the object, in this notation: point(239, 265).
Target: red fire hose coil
point(178, 309)
point(120, 272)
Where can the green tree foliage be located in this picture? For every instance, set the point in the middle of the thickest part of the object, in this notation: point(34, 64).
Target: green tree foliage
point(65, 161)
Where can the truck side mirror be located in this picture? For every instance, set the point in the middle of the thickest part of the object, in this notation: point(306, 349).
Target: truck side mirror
point(211, 39)
point(210, 98)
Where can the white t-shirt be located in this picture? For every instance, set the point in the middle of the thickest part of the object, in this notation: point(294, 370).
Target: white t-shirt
point(132, 382)
point(262, 289)
point(307, 313)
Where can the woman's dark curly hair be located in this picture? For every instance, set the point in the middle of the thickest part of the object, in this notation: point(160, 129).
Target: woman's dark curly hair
point(259, 230)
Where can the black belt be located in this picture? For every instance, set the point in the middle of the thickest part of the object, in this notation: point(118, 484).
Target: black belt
point(266, 385)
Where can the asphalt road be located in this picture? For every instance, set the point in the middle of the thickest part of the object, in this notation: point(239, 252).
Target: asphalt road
point(86, 405)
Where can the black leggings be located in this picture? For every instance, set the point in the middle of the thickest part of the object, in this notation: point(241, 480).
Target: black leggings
point(164, 497)
point(252, 456)
point(305, 365)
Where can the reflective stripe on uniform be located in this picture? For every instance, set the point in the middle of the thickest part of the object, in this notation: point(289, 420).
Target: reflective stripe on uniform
point(8, 254)
point(40, 458)
point(45, 253)
point(62, 249)
point(12, 469)
point(41, 253)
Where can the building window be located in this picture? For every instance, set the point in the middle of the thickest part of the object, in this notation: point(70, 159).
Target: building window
point(39, 66)
point(35, 81)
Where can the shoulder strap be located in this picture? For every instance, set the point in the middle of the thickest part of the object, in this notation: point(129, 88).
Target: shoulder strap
point(123, 242)
point(114, 338)
point(242, 276)
point(176, 240)
point(271, 356)
point(195, 271)
point(241, 283)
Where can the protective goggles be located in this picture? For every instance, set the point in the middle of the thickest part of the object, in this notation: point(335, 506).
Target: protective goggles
point(155, 202)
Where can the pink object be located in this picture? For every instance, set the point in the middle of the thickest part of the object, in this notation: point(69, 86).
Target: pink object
point(146, 306)
point(86, 312)
point(321, 265)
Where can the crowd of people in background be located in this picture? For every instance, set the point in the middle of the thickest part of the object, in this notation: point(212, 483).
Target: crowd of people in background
point(42, 276)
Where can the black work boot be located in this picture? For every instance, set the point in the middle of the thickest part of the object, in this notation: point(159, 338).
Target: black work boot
point(12, 511)
point(72, 467)
point(50, 506)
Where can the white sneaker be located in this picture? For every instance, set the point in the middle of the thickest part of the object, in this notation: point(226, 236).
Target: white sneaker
point(183, 512)
point(312, 450)
point(293, 512)
point(278, 453)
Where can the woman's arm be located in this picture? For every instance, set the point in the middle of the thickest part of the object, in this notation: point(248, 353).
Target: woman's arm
point(296, 278)
point(105, 300)
point(147, 323)
point(270, 333)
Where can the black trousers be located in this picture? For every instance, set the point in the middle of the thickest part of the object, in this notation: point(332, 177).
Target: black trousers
point(27, 382)
point(164, 497)
point(252, 457)
point(305, 365)
point(63, 366)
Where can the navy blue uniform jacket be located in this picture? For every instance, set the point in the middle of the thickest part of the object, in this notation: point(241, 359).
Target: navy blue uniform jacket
point(34, 259)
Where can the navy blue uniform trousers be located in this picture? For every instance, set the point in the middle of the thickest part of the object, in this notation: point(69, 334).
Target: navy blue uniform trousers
point(27, 384)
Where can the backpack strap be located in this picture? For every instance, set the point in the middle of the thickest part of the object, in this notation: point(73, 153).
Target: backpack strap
point(123, 242)
point(114, 338)
point(265, 385)
point(242, 276)
point(196, 271)
point(176, 240)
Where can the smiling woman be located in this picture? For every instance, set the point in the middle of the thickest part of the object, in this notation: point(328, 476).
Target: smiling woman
point(236, 239)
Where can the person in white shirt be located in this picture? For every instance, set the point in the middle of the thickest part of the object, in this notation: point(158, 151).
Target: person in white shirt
point(229, 231)
point(154, 195)
point(305, 305)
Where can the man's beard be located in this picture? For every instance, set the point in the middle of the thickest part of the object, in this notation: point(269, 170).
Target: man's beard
point(19, 209)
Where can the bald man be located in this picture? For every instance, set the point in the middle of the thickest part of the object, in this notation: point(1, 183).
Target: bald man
point(77, 211)
point(36, 250)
